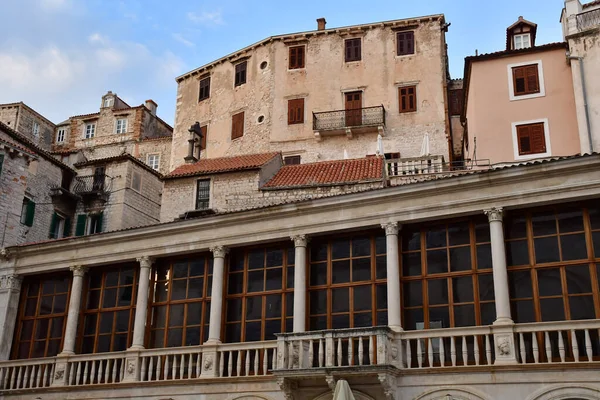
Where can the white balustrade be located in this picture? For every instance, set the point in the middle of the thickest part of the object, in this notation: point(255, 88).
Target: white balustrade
point(92, 369)
point(26, 374)
point(170, 364)
point(247, 359)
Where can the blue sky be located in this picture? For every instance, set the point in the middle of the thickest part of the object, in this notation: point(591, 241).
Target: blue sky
point(60, 56)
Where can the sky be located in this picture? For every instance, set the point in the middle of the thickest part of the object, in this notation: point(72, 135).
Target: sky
point(61, 56)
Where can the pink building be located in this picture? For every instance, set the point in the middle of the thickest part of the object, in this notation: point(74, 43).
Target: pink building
point(519, 102)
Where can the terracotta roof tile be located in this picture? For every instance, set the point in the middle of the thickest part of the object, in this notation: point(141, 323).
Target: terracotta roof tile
point(328, 173)
point(224, 164)
point(591, 4)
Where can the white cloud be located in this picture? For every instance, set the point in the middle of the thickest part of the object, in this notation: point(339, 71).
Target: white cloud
point(206, 17)
point(179, 37)
point(97, 38)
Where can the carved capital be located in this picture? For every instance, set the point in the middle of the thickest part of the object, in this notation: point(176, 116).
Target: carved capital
point(391, 228)
point(300, 240)
point(219, 251)
point(331, 381)
point(78, 270)
point(5, 253)
point(145, 261)
point(10, 282)
point(287, 386)
point(494, 214)
point(388, 384)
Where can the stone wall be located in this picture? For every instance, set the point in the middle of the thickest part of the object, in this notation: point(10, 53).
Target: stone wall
point(13, 182)
point(8, 114)
point(22, 118)
point(160, 146)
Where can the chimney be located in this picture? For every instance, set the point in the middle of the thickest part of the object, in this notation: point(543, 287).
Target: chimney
point(321, 22)
point(151, 105)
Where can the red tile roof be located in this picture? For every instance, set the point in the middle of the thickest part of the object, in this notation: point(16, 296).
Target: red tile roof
point(224, 164)
point(328, 173)
point(591, 4)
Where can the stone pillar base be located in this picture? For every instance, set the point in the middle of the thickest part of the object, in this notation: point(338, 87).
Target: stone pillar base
point(210, 361)
point(504, 343)
point(132, 366)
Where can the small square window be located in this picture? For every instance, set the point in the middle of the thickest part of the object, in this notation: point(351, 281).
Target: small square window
point(240, 73)
point(526, 80)
point(60, 135)
point(203, 194)
point(291, 160)
point(153, 160)
point(121, 126)
point(108, 102)
point(296, 57)
point(204, 89)
point(352, 50)
point(90, 130)
point(531, 139)
point(522, 41)
point(405, 43)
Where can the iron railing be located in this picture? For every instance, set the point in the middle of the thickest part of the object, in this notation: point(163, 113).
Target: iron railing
point(341, 119)
point(91, 184)
point(588, 19)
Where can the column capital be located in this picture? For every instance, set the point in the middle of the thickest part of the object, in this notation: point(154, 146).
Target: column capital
point(219, 251)
point(78, 270)
point(300, 240)
point(391, 228)
point(145, 261)
point(494, 214)
point(11, 281)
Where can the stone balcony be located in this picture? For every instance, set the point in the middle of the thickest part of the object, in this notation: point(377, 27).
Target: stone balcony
point(349, 122)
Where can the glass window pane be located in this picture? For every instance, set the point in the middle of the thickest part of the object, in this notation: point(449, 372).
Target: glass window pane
point(235, 283)
point(436, 238)
point(318, 274)
point(488, 313)
point(361, 247)
point(87, 345)
point(437, 261)
point(318, 302)
point(570, 221)
point(274, 279)
point(482, 232)
point(122, 321)
point(552, 309)
point(53, 348)
point(362, 298)
point(519, 284)
point(31, 307)
point(125, 296)
point(290, 278)
point(271, 328)
point(459, 233)
point(273, 306)
point(48, 287)
point(522, 311)
point(233, 333)
point(544, 223)
point(111, 278)
point(381, 267)
point(486, 287)
point(56, 330)
point(289, 304)
point(515, 227)
point(253, 331)
point(106, 322)
point(254, 307)
point(24, 348)
point(596, 240)
point(195, 288)
point(361, 269)
point(578, 279)
point(197, 267)
point(411, 240)
point(437, 291)
point(159, 319)
point(274, 258)
point(340, 321)
point(464, 315)
point(439, 317)
point(546, 249)
point(93, 299)
point(236, 261)
point(412, 292)
point(318, 323)
point(460, 258)
point(109, 298)
point(176, 315)
point(26, 330)
point(46, 305)
point(573, 247)
point(318, 252)
point(380, 245)
point(60, 304)
point(39, 349)
point(484, 256)
point(517, 253)
point(382, 319)
point(340, 249)
point(256, 259)
point(462, 289)
point(549, 282)
point(194, 314)
point(340, 300)
point(411, 264)
point(381, 293)
point(33, 289)
point(174, 337)
point(291, 254)
point(363, 319)
point(582, 307)
point(234, 310)
point(255, 282)
point(413, 318)
point(178, 289)
point(126, 276)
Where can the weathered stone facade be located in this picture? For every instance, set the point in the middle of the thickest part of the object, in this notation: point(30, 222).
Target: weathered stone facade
point(22, 119)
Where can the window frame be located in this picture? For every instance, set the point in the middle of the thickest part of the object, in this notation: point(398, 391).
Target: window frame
point(511, 81)
point(240, 73)
point(205, 200)
point(354, 57)
point(299, 56)
point(238, 119)
point(296, 111)
point(411, 48)
point(293, 157)
point(135, 174)
point(408, 97)
point(61, 135)
point(521, 36)
point(515, 139)
point(27, 212)
point(204, 89)
point(89, 130)
point(108, 102)
point(121, 126)
point(156, 156)
point(36, 128)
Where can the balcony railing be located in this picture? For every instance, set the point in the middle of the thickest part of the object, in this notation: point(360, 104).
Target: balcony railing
point(588, 19)
point(301, 354)
point(92, 184)
point(426, 165)
point(352, 118)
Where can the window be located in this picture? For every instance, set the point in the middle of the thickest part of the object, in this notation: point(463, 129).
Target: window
point(526, 80)
point(296, 57)
point(59, 226)
point(291, 160)
point(153, 160)
point(121, 125)
point(181, 302)
point(204, 133)
point(295, 111)
point(522, 41)
point(36, 128)
point(88, 224)
point(27, 212)
point(204, 89)
point(136, 181)
point(352, 50)
point(240, 73)
point(108, 309)
point(60, 135)
point(108, 102)
point(90, 130)
point(42, 316)
point(347, 282)
point(405, 43)
point(203, 194)
point(237, 125)
point(531, 139)
point(407, 99)
point(1, 162)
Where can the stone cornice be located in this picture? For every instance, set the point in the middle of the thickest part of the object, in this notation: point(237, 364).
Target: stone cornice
point(565, 180)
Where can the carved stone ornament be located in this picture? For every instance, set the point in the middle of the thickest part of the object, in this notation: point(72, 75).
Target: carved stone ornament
point(287, 386)
point(10, 282)
point(59, 373)
point(208, 363)
point(4, 253)
point(300, 240)
point(145, 261)
point(391, 228)
point(394, 352)
point(503, 345)
point(130, 367)
point(494, 214)
point(388, 384)
point(331, 381)
point(219, 251)
point(78, 270)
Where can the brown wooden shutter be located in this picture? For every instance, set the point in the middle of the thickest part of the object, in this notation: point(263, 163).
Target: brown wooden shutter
point(407, 99)
point(295, 111)
point(532, 79)
point(204, 132)
point(405, 42)
point(296, 57)
point(524, 139)
point(237, 125)
point(538, 141)
point(526, 80)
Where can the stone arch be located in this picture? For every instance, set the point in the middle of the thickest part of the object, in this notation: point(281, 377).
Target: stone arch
point(566, 392)
point(328, 395)
point(456, 393)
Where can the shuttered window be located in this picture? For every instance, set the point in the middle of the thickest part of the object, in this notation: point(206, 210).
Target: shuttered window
point(237, 125)
point(407, 99)
point(296, 57)
point(295, 111)
point(352, 50)
point(526, 80)
point(27, 212)
point(59, 226)
point(203, 132)
point(531, 139)
point(240, 73)
point(405, 42)
point(204, 89)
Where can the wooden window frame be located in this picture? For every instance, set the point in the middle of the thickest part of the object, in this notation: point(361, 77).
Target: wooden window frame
point(292, 160)
point(237, 125)
point(101, 310)
point(529, 87)
point(121, 126)
point(155, 156)
point(405, 99)
point(352, 51)
point(204, 89)
point(240, 73)
point(61, 135)
point(526, 131)
point(295, 111)
point(405, 43)
point(22, 318)
point(204, 133)
point(297, 57)
point(204, 200)
point(89, 130)
point(169, 303)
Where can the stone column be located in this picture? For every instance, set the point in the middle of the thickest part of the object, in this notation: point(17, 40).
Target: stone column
point(300, 242)
point(216, 296)
point(141, 306)
point(10, 289)
point(393, 275)
point(74, 306)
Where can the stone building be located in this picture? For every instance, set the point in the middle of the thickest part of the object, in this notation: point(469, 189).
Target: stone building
point(29, 123)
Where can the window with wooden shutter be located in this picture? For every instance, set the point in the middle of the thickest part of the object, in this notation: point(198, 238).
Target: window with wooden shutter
point(405, 42)
point(531, 139)
point(526, 80)
point(295, 111)
point(407, 99)
point(27, 212)
point(80, 225)
point(240, 73)
point(296, 57)
point(203, 132)
point(204, 89)
point(352, 50)
point(237, 126)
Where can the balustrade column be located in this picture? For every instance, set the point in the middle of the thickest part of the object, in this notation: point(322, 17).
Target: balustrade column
point(393, 275)
point(216, 296)
point(74, 306)
point(141, 306)
point(499, 266)
point(300, 243)
point(10, 289)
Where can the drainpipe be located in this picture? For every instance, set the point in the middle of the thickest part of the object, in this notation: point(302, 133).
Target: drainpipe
point(585, 103)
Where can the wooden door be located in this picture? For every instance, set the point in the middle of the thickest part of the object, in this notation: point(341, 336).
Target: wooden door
point(98, 184)
point(353, 108)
